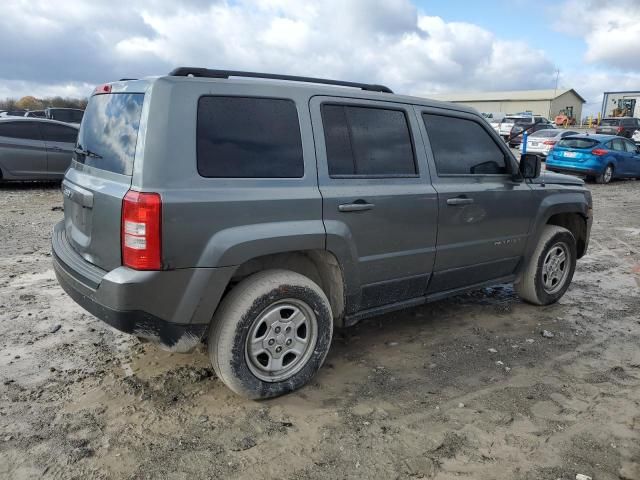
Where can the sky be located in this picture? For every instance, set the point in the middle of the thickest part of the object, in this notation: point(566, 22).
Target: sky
point(417, 47)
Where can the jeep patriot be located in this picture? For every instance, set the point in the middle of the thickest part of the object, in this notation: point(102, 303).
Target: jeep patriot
point(257, 212)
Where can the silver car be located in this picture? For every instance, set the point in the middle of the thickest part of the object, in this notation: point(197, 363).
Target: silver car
point(35, 148)
point(542, 141)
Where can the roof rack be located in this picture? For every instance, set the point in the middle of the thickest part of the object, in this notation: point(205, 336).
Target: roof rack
point(209, 73)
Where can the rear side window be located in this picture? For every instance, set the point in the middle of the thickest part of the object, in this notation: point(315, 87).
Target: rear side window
point(59, 133)
point(577, 143)
point(109, 132)
point(618, 145)
point(21, 130)
point(367, 141)
point(463, 147)
point(243, 137)
point(630, 146)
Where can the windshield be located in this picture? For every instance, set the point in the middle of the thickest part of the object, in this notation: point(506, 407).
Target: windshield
point(577, 142)
point(109, 132)
point(610, 122)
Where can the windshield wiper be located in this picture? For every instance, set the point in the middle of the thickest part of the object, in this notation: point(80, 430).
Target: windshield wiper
point(85, 152)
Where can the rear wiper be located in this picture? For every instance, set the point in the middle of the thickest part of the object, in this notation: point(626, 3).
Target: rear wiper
point(84, 152)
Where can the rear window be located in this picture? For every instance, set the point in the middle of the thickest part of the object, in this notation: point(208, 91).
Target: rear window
point(544, 134)
point(610, 122)
point(110, 132)
point(577, 143)
point(367, 141)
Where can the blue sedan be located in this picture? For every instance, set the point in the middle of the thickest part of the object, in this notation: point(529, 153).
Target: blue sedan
point(598, 157)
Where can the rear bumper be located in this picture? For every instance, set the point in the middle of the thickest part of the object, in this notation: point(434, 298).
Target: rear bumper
point(172, 308)
point(581, 168)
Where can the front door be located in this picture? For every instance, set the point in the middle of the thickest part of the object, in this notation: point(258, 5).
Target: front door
point(379, 208)
point(22, 151)
point(485, 214)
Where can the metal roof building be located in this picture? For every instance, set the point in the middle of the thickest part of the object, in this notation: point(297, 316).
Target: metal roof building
point(547, 103)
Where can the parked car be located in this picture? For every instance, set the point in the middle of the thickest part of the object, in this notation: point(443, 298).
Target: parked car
point(67, 115)
point(620, 126)
point(13, 113)
point(530, 124)
point(542, 141)
point(636, 137)
point(598, 157)
point(35, 148)
point(36, 113)
point(261, 214)
point(522, 121)
point(494, 119)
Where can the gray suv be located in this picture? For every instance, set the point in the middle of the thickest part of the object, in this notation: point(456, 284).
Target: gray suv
point(258, 214)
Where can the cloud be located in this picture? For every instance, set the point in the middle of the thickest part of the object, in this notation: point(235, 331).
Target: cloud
point(610, 29)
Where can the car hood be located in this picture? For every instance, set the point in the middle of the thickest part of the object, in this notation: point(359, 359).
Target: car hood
point(558, 179)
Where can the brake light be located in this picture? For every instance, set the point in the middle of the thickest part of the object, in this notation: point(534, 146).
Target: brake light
point(619, 129)
point(599, 152)
point(105, 88)
point(549, 142)
point(140, 230)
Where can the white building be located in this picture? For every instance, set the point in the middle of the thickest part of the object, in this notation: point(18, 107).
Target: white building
point(621, 104)
point(548, 103)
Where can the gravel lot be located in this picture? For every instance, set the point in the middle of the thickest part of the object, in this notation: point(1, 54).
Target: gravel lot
point(407, 395)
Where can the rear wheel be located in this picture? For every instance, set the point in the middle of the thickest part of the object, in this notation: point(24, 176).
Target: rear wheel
point(270, 334)
point(606, 176)
point(550, 270)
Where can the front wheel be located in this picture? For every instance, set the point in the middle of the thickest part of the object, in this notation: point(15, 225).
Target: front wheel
point(606, 176)
point(270, 334)
point(550, 269)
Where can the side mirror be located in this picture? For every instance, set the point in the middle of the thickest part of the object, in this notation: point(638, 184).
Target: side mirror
point(530, 165)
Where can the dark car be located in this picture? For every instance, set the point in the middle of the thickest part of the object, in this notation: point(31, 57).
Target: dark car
point(531, 125)
point(261, 214)
point(620, 126)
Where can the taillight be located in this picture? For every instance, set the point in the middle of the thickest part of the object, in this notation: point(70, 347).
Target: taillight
point(599, 152)
point(106, 88)
point(140, 230)
point(619, 129)
point(549, 142)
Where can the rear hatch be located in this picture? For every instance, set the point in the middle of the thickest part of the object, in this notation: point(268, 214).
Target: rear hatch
point(574, 149)
point(608, 126)
point(100, 176)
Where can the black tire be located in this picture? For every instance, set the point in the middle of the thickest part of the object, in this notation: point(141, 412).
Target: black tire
point(241, 315)
point(606, 176)
point(531, 284)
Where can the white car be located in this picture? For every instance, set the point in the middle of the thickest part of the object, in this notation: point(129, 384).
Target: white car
point(636, 137)
point(542, 141)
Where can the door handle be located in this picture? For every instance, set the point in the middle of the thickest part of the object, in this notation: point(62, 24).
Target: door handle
point(357, 206)
point(459, 201)
point(57, 149)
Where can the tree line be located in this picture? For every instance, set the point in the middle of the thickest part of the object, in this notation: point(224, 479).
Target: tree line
point(32, 103)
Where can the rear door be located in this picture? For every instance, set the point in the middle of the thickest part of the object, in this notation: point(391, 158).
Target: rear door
point(22, 150)
point(101, 175)
point(633, 159)
point(622, 157)
point(60, 141)
point(377, 197)
point(484, 216)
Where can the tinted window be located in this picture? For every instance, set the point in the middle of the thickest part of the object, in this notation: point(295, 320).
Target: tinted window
point(367, 141)
point(71, 116)
point(59, 133)
point(618, 145)
point(21, 130)
point(110, 131)
point(577, 143)
point(610, 122)
point(248, 138)
point(462, 146)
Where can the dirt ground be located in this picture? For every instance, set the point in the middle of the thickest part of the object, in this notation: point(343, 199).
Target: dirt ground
point(415, 394)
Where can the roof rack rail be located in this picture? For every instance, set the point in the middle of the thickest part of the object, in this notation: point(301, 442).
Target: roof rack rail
point(209, 73)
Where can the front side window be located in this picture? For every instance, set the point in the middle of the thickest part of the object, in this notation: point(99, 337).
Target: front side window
point(246, 137)
point(20, 130)
point(367, 141)
point(463, 147)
